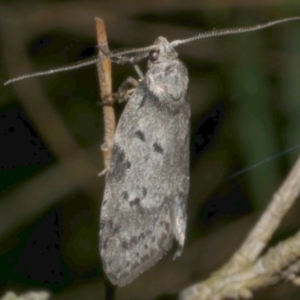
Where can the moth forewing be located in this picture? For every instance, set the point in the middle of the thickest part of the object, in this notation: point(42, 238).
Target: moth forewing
point(144, 204)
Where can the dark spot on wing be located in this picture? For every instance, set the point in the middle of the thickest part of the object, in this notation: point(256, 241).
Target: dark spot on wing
point(116, 229)
point(157, 148)
point(136, 201)
point(104, 245)
point(113, 228)
point(144, 192)
point(127, 164)
point(125, 245)
point(125, 195)
point(136, 204)
point(143, 101)
point(118, 165)
point(140, 135)
point(119, 153)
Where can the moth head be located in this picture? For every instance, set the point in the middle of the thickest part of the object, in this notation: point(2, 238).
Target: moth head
point(163, 51)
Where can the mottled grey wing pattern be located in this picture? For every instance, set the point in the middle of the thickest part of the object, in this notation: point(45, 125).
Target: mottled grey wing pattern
point(144, 204)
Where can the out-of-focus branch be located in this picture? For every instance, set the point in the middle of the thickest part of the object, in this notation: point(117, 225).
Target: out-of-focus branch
point(31, 96)
point(43, 295)
point(245, 272)
point(281, 262)
point(271, 218)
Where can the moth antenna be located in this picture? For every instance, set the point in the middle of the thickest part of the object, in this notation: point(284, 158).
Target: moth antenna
point(123, 59)
point(74, 66)
point(116, 53)
point(230, 31)
point(214, 33)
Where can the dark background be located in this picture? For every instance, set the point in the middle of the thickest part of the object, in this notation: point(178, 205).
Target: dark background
point(244, 94)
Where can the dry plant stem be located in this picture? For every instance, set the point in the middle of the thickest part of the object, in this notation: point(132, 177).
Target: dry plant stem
point(281, 262)
point(244, 273)
point(51, 128)
point(104, 73)
point(271, 218)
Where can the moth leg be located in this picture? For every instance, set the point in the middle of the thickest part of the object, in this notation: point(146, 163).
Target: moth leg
point(112, 100)
point(124, 92)
point(103, 172)
point(138, 71)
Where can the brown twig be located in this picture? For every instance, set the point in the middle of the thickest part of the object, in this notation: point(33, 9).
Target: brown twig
point(104, 73)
